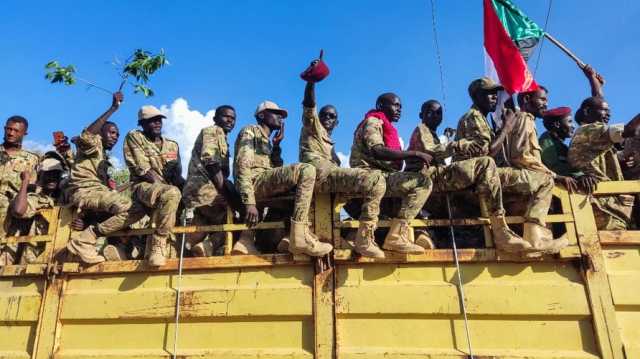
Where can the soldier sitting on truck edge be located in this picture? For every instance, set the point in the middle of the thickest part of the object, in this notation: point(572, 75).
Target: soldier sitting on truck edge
point(376, 146)
point(156, 177)
point(478, 173)
point(259, 174)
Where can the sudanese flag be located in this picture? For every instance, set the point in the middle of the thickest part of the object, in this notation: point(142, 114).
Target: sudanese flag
point(509, 39)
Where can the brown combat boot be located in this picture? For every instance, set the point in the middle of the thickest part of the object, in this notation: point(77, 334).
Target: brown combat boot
point(83, 245)
point(157, 256)
point(283, 245)
point(302, 241)
point(202, 249)
point(7, 257)
point(423, 239)
point(114, 253)
point(365, 243)
point(505, 239)
point(245, 245)
point(541, 239)
point(398, 239)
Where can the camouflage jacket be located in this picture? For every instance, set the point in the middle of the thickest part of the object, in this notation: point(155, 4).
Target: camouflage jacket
point(91, 168)
point(29, 223)
point(11, 165)
point(254, 154)
point(315, 142)
point(592, 152)
point(424, 140)
point(367, 136)
point(210, 146)
point(142, 155)
point(474, 128)
point(521, 147)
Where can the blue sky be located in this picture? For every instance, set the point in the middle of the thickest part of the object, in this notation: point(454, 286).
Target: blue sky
point(242, 52)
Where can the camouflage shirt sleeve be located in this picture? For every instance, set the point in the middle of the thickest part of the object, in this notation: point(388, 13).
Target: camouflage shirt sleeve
point(589, 143)
point(473, 128)
point(35, 203)
point(89, 144)
point(372, 133)
point(134, 155)
point(523, 147)
point(309, 116)
point(245, 151)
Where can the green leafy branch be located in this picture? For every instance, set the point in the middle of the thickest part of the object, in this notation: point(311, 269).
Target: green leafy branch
point(140, 66)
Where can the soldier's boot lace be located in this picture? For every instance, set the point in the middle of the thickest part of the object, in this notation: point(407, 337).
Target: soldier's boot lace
point(541, 239)
point(303, 241)
point(505, 239)
point(245, 245)
point(423, 239)
point(365, 243)
point(157, 255)
point(399, 238)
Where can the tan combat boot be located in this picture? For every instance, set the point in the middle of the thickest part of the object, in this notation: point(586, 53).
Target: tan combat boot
point(83, 245)
point(6, 258)
point(29, 254)
point(245, 245)
point(114, 253)
point(423, 239)
point(541, 239)
point(283, 245)
point(157, 256)
point(202, 249)
point(398, 239)
point(505, 239)
point(302, 241)
point(365, 243)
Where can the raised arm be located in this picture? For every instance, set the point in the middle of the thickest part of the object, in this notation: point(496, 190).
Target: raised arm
point(96, 125)
point(596, 81)
point(309, 95)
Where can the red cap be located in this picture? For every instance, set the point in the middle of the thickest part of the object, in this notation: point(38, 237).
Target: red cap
point(558, 112)
point(316, 72)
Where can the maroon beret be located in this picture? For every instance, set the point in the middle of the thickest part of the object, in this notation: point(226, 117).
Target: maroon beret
point(557, 112)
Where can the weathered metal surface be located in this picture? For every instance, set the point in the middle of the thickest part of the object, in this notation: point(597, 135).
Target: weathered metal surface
point(412, 310)
point(621, 238)
point(20, 299)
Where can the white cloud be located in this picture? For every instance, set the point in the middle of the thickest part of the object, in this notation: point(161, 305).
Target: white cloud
point(38, 147)
point(183, 126)
point(344, 159)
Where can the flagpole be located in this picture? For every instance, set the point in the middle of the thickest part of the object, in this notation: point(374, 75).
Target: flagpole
point(561, 46)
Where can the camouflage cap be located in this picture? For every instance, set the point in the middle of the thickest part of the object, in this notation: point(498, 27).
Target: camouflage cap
point(148, 112)
point(50, 164)
point(270, 106)
point(483, 83)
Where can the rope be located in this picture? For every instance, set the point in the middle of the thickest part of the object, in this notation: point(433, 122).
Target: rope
point(546, 23)
point(438, 55)
point(460, 286)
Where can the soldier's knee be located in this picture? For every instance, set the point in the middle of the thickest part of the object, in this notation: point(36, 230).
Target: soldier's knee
point(377, 183)
point(305, 171)
point(121, 205)
point(171, 195)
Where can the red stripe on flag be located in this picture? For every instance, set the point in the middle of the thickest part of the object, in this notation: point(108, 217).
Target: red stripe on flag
point(511, 67)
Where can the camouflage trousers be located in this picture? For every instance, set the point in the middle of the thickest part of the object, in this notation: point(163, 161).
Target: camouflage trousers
point(370, 184)
point(4, 225)
point(280, 180)
point(162, 201)
point(122, 210)
point(214, 213)
point(413, 188)
point(612, 212)
point(479, 173)
point(536, 186)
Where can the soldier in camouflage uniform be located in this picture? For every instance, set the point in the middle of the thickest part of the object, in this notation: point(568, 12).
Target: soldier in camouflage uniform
point(515, 153)
point(207, 188)
point(317, 148)
point(91, 187)
point(592, 152)
point(13, 161)
point(26, 206)
point(376, 147)
point(478, 173)
point(259, 174)
point(156, 177)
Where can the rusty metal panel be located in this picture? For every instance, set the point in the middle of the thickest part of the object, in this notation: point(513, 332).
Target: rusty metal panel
point(225, 313)
point(536, 310)
point(623, 267)
point(20, 299)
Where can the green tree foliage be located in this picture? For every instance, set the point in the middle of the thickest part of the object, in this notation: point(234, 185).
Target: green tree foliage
point(139, 67)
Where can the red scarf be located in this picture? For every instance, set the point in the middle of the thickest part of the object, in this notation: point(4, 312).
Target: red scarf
point(389, 132)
